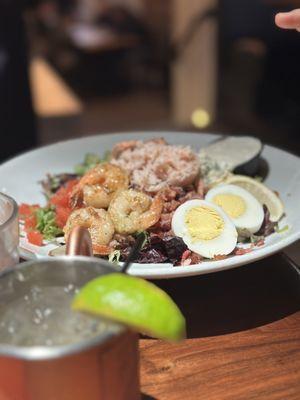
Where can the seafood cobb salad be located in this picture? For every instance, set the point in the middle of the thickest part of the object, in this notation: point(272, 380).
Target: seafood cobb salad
point(190, 207)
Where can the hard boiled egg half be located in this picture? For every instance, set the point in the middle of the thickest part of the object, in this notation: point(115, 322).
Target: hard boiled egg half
point(205, 228)
point(241, 206)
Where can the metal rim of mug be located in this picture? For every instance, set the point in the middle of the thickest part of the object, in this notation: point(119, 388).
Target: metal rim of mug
point(14, 214)
point(35, 353)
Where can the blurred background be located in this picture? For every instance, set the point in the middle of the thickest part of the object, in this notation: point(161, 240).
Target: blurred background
point(70, 68)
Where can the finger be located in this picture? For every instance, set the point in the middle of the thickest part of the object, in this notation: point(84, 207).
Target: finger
point(289, 20)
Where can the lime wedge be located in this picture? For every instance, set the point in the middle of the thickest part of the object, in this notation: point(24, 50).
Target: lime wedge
point(262, 193)
point(134, 302)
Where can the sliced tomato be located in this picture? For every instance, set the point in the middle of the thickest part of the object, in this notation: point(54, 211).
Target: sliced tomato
point(35, 237)
point(62, 214)
point(70, 185)
point(60, 200)
point(26, 210)
point(62, 196)
point(30, 223)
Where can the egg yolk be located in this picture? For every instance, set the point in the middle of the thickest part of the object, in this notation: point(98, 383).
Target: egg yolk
point(203, 223)
point(232, 204)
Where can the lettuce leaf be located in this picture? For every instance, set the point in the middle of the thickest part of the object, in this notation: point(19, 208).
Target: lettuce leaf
point(46, 223)
point(90, 161)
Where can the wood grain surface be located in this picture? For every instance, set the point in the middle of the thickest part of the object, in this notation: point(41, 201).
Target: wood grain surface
point(243, 337)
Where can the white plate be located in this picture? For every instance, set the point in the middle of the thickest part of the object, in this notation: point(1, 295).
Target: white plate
point(19, 178)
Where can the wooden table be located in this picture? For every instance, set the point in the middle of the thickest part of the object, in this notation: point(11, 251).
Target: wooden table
point(243, 337)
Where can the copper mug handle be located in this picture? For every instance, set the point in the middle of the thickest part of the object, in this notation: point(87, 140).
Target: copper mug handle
point(79, 242)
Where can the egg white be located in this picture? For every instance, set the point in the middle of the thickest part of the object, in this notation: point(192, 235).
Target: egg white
point(251, 220)
point(223, 244)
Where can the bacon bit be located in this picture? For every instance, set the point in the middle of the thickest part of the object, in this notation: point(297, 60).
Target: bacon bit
point(185, 254)
point(186, 258)
point(240, 252)
point(166, 222)
point(163, 225)
point(196, 258)
point(186, 262)
point(260, 243)
point(200, 188)
point(124, 240)
point(169, 194)
point(190, 196)
point(161, 234)
point(171, 206)
point(219, 257)
point(196, 197)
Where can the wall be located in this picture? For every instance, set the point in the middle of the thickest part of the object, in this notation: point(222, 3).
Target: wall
point(194, 74)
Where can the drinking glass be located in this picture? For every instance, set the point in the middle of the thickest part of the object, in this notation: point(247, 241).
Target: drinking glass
point(9, 231)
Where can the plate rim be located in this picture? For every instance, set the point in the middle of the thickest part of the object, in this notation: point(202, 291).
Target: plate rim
point(8, 162)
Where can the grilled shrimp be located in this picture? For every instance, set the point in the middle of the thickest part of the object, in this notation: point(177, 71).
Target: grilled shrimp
point(98, 223)
point(98, 185)
point(132, 211)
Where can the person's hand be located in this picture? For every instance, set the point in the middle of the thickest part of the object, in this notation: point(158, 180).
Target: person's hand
point(289, 20)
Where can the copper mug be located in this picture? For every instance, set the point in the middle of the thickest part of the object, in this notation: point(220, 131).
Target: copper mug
point(104, 367)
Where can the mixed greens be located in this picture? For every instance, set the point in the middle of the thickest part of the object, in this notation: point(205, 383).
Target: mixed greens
point(90, 161)
point(46, 223)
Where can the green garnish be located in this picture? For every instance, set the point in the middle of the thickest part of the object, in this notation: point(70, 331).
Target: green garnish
point(90, 161)
point(255, 238)
point(54, 183)
point(114, 256)
point(281, 230)
point(46, 223)
point(146, 237)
